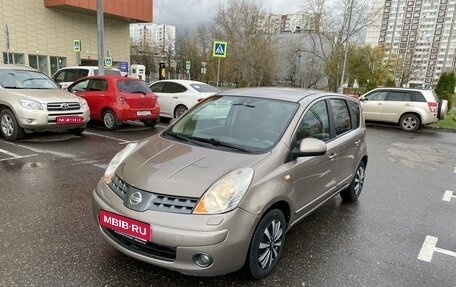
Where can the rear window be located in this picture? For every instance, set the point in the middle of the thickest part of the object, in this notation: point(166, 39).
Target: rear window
point(108, 72)
point(133, 86)
point(203, 88)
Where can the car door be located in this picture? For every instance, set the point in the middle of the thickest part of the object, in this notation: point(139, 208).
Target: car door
point(162, 98)
point(315, 176)
point(97, 96)
point(345, 120)
point(372, 105)
point(396, 104)
point(174, 94)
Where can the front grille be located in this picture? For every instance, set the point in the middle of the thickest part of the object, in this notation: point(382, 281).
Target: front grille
point(158, 202)
point(145, 248)
point(63, 106)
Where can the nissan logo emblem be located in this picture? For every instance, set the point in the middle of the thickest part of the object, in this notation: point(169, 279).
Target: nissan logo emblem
point(64, 106)
point(135, 198)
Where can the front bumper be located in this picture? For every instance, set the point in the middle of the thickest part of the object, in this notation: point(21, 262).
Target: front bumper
point(47, 121)
point(225, 237)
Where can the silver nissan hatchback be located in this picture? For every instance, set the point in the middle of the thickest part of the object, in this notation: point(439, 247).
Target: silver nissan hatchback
point(219, 188)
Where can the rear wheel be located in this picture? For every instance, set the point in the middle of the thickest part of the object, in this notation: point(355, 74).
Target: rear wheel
point(149, 123)
point(353, 191)
point(110, 120)
point(266, 245)
point(179, 110)
point(10, 128)
point(410, 122)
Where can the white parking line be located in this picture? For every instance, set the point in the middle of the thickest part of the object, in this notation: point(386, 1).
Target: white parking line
point(429, 247)
point(448, 195)
point(13, 155)
point(105, 136)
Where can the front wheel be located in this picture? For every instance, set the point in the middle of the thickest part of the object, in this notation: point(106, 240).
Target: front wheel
point(10, 127)
point(410, 122)
point(353, 191)
point(267, 244)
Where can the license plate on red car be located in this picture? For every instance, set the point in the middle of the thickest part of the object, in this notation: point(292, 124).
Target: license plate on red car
point(143, 113)
point(68, 120)
point(125, 225)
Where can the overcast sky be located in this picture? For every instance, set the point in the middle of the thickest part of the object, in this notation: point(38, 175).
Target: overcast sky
point(191, 13)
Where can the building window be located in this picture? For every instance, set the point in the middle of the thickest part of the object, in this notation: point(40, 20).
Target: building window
point(38, 62)
point(14, 58)
point(57, 63)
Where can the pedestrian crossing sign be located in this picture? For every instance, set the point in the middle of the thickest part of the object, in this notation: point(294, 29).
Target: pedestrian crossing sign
point(108, 61)
point(219, 49)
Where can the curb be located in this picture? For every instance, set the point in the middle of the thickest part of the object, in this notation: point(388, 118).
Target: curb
point(439, 129)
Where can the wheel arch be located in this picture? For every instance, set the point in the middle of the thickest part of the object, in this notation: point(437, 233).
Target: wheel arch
point(411, 113)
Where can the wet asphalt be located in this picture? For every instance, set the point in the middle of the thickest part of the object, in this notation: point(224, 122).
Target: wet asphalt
point(49, 238)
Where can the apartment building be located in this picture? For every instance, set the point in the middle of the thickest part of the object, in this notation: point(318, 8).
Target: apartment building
point(420, 36)
point(41, 33)
point(159, 38)
point(288, 23)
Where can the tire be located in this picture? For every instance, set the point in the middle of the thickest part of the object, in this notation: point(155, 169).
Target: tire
point(76, 132)
point(263, 255)
point(10, 129)
point(179, 110)
point(110, 120)
point(410, 122)
point(149, 123)
point(353, 191)
point(442, 110)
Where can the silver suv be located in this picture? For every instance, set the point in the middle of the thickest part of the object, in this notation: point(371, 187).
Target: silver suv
point(409, 108)
point(30, 102)
point(220, 187)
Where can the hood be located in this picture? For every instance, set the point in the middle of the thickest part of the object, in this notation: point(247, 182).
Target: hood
point(172, 168)
point(44, 95)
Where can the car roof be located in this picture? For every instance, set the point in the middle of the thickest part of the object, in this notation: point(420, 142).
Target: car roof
point(181, 81)
point(108, 77)
point(16, 67)
point(278, 93)
point(87, 67)
point(400, 89)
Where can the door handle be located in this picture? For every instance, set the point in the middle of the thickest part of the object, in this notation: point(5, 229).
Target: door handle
point(357, 142)
point(175, 97)
point(408, 105)
point(380, 104)
point(332, 156)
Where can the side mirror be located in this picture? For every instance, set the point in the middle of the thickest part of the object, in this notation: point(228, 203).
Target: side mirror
point(310, 147)
point(363, 98)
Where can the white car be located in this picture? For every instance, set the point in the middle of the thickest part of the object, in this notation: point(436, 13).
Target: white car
point(175, 97)
point(66, 76)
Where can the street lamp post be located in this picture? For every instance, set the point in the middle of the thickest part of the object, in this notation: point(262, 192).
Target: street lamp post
point(341, 87)
point(297, 70)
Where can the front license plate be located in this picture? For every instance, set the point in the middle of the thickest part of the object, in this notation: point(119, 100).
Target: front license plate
point(143, 113)
point(125, 225)
point(69, 120)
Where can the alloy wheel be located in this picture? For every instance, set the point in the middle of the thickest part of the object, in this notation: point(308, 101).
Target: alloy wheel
point(270, 244)
point(7, 125)
point(359, 180)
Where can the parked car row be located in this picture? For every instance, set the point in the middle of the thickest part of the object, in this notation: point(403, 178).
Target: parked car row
point(32, 102)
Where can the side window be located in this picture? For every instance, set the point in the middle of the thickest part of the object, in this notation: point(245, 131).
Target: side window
point(395, 96)
point(157, 87)
point(79, 87)
point(417, 97)
point(60, 77)
point(315, 123)
point(341, 116)
point(174, 88)
point(354, 109)
point(376, 96)
point(98, 85)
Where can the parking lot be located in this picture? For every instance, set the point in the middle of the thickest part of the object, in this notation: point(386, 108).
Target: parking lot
point(401, 232)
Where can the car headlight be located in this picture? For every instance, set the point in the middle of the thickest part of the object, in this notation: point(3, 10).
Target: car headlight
point(83, 103)
point(117, 160)
point(226, 193)
point(31, 105)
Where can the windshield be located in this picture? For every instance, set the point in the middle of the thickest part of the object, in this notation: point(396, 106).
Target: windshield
point(241, 124)
point(23, 79)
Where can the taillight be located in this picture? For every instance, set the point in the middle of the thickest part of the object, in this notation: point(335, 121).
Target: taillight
point(432, 107)
point(120, 99)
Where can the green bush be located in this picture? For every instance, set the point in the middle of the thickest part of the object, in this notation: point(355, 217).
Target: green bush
point(370, 86)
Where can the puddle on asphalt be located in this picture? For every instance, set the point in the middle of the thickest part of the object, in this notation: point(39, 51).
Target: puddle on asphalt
point(418, 156)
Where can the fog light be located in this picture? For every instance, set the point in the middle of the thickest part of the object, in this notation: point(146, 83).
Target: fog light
point(29, 121)
point(202, 259)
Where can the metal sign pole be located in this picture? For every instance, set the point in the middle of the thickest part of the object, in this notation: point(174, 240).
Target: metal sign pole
point(218, 72)
point(7, 44)
point(100, 33)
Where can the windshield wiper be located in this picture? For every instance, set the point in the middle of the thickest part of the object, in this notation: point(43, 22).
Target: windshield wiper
point(183, 137)
point(217, 142)
point(12, 87)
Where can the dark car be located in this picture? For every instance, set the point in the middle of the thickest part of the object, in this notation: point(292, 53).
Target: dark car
point(115, 99)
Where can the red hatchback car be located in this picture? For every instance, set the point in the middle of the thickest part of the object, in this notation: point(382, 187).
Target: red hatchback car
point(116, 99)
